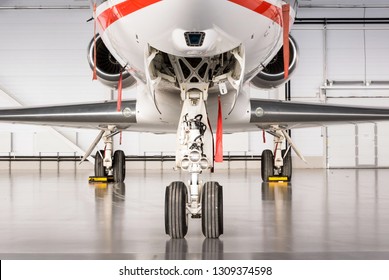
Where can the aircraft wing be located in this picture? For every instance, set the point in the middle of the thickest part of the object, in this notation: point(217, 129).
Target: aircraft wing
point(265, 113)
point(91, 115)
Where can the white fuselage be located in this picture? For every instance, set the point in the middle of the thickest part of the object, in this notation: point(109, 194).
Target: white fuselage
point(132, 29)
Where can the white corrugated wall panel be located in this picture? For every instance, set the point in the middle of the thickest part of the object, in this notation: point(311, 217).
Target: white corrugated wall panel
point(382, 144)
point(341, 146)
point(359, 145)
point(308, 76)
point(346, 55)
point(377, 46)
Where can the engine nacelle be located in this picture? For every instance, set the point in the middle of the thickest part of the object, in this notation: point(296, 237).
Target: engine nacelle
point(107, 67)
point(273, 73)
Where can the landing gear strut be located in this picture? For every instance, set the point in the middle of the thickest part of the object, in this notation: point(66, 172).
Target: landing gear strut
point(194, 155)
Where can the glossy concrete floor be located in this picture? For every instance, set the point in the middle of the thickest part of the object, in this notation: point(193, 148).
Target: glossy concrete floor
point(336, 214)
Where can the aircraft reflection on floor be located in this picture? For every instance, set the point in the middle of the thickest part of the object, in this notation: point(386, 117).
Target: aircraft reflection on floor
point(110, 208)
point(118, 191)
point(277, 214)
point(177, 249)
point(276, 191)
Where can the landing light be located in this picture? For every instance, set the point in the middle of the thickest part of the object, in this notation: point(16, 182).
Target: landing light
point(195, 156)
point(204, 164)
point(127, 112)
point(185, 163)
point(259, 112)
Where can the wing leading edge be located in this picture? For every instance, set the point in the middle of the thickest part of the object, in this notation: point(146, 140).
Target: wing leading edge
point(265, 113)
point(91, 115)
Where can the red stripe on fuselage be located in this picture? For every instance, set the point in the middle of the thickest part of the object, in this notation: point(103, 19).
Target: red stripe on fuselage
point(110, 15)
point(262, 7)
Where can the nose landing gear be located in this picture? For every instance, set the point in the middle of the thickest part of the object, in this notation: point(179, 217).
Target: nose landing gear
point(194, 154)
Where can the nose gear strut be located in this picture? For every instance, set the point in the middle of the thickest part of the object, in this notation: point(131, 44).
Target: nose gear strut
point(194, 154)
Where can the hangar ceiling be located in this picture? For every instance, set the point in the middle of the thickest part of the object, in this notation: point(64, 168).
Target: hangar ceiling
point(301, 3)
point(305, 8)
point(340, 3)
point(44, 3)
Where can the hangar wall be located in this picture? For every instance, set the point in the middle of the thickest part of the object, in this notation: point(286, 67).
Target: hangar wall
point(343, 64)
point(43, 61)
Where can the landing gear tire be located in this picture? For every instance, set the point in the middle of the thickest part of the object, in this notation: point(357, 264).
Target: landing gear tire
point(267, 165)
point(212, 210)
point(287, 167)
point(176, 219)
point(99, 164)
point(119, 166)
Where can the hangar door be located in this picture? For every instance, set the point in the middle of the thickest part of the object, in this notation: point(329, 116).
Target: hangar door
point(352, 145)
point(357, 66)
point(363, 145)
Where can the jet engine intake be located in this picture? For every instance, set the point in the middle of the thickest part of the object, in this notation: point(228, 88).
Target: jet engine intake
point(273, 73)
point(107, 67)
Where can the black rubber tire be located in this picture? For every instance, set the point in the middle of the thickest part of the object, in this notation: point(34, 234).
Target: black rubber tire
point(99, 167)
point(212, 210)
point(287, 167)
point(267, 165)
point(119, 166)
point(176, 219)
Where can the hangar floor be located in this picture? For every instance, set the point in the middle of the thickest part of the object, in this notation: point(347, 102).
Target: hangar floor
point(335, 214)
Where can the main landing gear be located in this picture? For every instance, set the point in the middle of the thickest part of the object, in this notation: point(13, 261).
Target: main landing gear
point(108, 163)
point(194, 154)
point(269, 170)
point(277, 166)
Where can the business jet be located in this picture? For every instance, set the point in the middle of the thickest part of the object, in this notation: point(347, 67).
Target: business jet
point(190, 61)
